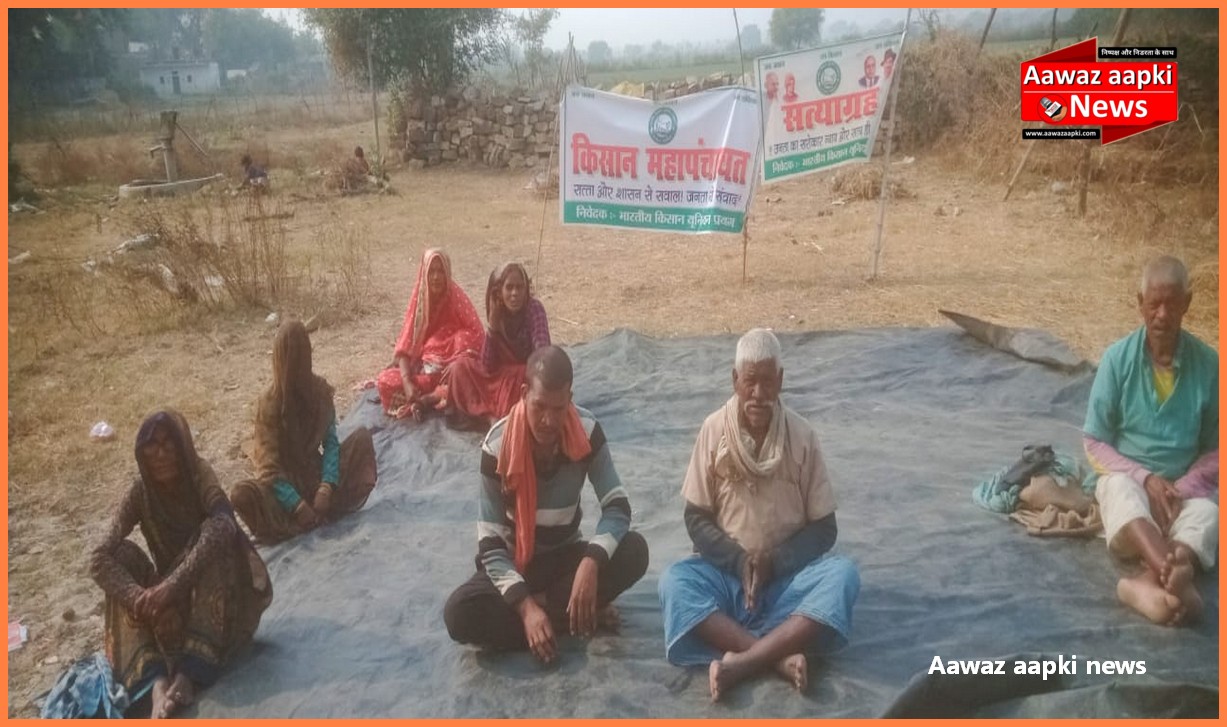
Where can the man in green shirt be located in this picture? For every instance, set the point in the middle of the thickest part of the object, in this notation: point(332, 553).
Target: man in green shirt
point(1151, 433)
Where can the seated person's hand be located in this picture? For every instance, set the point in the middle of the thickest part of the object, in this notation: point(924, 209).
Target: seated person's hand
point(323, 500)
point(537, 630)
point(152, 602)
point(1163, 500)
point(582, 606)
point(304, 516)
point(755, 573)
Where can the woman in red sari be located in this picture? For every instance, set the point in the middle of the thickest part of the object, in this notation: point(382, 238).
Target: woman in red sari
point(441, 327)
point(487, 389)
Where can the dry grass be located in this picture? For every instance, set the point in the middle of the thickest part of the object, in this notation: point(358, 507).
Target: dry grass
point(967, 105)
point(1025, 263)
point(81, 348)
point(230, 115)
point(864, 181)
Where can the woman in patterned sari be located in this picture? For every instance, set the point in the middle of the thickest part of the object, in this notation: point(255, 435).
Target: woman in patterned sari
point(441, 327)
point(304, 474)
point(486, 389)
point(175, 621)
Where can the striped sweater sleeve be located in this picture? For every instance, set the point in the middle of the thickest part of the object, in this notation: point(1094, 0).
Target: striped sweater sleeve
point(615, 519)
point(496, 535)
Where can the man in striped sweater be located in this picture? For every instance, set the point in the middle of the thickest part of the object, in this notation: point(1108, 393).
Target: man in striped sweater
point(534, 572)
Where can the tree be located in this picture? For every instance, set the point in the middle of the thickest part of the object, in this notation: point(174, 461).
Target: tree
point(530, 29)
point(751, 37)
point(170, 33)
point(844, 30)
point(1155, 20)
point(50, 46)
point(244, 37)
point(795, 28)
point(430, 47)
point(599, 53)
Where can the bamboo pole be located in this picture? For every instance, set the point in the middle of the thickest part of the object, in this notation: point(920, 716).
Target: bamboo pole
point(370, 68)
point(890, 135)
point(984, 36)
point(1084, 163)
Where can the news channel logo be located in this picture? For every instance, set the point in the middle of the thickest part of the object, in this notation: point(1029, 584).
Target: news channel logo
point(1054, 109)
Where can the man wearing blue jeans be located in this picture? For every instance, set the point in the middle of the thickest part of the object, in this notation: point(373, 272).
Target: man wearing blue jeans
point(761, 591)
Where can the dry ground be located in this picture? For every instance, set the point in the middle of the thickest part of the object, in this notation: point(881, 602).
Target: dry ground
point(1028, 262)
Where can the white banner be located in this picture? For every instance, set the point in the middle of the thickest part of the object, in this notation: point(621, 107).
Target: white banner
point(822, 107)
point(682, 165)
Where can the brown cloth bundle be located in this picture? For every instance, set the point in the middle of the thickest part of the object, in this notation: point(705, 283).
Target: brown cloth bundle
point(1051, 509)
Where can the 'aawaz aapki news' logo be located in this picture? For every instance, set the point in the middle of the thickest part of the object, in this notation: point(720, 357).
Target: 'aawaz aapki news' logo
point(662, 126)
point(1070, 87)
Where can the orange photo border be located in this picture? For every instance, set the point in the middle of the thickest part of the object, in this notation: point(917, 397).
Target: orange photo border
point(4, 286)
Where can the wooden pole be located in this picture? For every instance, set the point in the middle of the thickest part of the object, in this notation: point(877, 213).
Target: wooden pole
point(1053, 45)
point(745, 246)
point(984, 36)
point(745, 222)
point(890, 135)
point(1084, 178)
point(370, 69)
point(167, 139)
point(566, 72)
point(1018, 171)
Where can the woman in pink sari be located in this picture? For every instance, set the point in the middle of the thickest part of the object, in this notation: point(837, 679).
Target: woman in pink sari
point(441, 327)
point(484, 390)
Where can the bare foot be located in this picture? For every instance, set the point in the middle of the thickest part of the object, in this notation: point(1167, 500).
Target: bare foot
point(795, 670)
point(609, 619)
point(724, 674)
point(713, 680)
point(181, 691)
point(1177, 573)
point(163, 706)
point(1143, 594)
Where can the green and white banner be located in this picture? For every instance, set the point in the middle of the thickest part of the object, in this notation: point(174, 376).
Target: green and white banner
point(683, 165)
point(821, 108)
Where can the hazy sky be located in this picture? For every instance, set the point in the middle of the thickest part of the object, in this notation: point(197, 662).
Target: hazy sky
point(619, 26)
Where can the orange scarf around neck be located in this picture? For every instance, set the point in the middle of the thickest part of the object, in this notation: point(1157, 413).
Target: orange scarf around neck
point(519, 473)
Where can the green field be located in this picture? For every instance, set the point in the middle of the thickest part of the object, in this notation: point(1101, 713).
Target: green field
point(666, 73)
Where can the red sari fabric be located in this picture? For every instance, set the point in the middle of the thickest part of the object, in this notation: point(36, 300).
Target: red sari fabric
point(435, 335)
point(481, 393)
point(488, 388)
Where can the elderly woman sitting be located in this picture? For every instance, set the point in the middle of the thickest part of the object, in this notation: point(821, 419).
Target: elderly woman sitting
point(174, 622)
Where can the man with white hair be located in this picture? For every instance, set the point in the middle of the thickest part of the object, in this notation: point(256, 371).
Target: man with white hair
point(1151, 433)
point(761, 591)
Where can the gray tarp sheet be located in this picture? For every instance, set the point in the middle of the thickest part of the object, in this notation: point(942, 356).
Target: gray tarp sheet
point(910, 420)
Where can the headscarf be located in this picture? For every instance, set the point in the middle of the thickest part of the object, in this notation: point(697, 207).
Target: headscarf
point(438, 331)
point(293, 415)
point(509, 330)
point(171, 515)
point(519, 473)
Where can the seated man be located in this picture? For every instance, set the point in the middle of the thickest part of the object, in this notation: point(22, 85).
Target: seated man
point(356, 171)
point(1151, 434)
point(534, 573)
point(761, 591)
point(254, 175)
